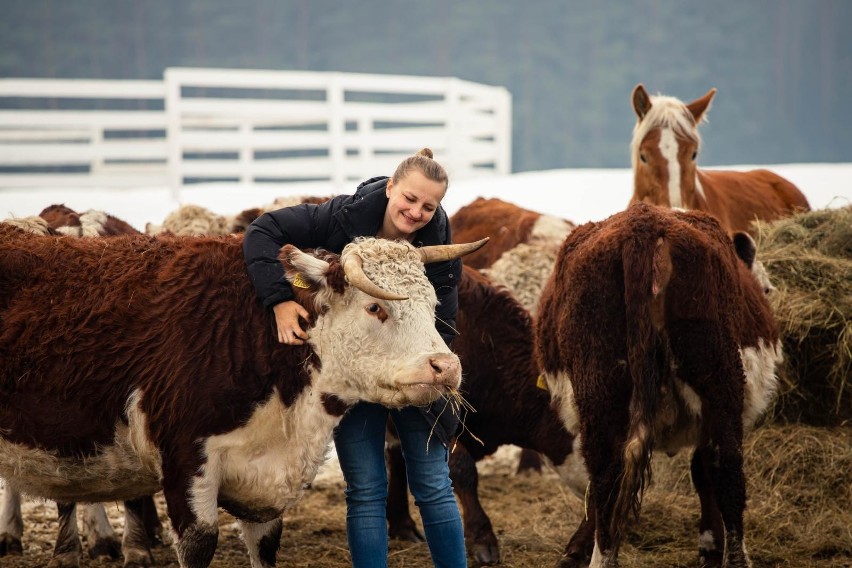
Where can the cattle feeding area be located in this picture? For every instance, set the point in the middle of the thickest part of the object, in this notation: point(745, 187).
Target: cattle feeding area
point(797, 515)
point(796, 462)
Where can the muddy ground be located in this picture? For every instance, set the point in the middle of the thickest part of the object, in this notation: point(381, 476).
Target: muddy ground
point(534, 516)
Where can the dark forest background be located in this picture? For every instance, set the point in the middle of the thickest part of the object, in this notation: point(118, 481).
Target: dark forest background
point(783, 67)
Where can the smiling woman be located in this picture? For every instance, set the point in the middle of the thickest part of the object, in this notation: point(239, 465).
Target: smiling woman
point(407, 207)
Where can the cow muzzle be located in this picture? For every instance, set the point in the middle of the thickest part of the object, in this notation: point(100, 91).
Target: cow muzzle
point(440, 375)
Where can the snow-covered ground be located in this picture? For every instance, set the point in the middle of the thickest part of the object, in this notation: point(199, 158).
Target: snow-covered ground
point(578, 195)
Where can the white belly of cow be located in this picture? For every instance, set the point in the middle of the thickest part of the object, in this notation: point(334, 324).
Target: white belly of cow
point(117, 472)
point(262, 465)
point(265, 465)
point(679, 417)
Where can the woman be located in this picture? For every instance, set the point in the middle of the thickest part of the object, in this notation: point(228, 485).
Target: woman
point(405, 206)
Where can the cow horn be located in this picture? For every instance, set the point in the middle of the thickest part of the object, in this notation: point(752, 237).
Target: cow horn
point(354, 271)
point(438, 253)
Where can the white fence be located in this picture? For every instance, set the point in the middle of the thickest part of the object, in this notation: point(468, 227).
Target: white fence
point(246, 127)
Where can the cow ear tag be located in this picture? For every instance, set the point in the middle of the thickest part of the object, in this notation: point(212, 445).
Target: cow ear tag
point(300, 282)
point(541, 383)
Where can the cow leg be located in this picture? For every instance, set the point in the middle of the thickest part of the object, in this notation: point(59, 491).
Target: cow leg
point(194, 513)
point(11, 524)
point(478, 533)
point(602, 451)
point(262, 541)
point(98, 533)
point(151, 521)
point(400, 523)
point(730, 487)
point(711, 532)
point(529, 462)
point(67, 551)
point(136, 543)
point(709, 362)
point(578, 551)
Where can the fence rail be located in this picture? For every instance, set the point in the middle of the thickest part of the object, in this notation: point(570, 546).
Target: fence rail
point(246, 127)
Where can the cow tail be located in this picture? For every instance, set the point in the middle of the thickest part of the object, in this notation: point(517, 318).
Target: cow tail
point(647, 270)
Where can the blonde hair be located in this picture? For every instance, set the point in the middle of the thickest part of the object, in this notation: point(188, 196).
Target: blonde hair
point(423, 162)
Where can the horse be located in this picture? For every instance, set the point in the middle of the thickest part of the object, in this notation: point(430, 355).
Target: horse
point(664, 151)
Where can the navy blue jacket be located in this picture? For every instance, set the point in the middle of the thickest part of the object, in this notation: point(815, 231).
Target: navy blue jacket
point(334, 224)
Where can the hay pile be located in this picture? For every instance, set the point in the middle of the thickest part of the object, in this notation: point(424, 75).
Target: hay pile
point(809, 259)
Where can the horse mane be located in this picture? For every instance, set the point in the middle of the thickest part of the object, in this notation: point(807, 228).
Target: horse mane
point(665, 112)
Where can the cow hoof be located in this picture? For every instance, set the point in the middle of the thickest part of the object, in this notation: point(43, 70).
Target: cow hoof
point(65, 560)
point(573, 561)
point(138, 558)
point(709, 558)
point(10, 546)
point(106, 547)
point(485, 554)
point(407, 533)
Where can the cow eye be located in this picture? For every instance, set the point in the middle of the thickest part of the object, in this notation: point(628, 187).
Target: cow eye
point(374, 308)
point(643, 158)
point(694, 155)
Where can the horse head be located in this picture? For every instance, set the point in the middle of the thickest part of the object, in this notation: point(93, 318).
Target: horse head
point(665, 148)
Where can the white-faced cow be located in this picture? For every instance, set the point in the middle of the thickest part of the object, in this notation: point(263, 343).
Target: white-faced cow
point(137, 363)
point(653, 335)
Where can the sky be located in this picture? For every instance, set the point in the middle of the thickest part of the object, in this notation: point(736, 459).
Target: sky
point(578, 195)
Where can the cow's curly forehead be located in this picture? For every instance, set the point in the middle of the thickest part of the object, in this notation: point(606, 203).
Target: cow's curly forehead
point(394, 266)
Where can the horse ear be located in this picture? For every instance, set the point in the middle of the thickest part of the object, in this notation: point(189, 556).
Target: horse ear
point(641, 101)
point(701, 105)
point(745, 247)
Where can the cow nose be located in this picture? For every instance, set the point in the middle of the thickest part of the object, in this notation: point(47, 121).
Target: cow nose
point(446, 369)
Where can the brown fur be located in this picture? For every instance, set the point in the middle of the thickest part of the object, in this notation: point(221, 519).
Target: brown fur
point(632, 298)
point(60, 216)
point(161, 305)
point(506, 224)
point(736, 199)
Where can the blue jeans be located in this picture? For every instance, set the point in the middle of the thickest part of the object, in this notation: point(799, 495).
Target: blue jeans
point(360, 443)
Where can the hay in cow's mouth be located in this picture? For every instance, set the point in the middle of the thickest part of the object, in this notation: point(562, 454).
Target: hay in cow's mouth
point(459, 406)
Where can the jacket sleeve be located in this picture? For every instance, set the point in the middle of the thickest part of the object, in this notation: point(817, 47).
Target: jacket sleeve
point(304, 226)
point(445, 277)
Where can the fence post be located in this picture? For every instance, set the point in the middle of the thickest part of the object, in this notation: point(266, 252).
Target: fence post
point(173, 134)
point(454, 160)
point(336, 130)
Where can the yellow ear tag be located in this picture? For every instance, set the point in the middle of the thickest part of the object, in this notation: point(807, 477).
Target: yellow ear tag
point(541, 383)
point(299, 282)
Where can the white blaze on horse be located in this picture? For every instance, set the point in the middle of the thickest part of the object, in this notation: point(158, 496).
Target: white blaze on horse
point(664, 153)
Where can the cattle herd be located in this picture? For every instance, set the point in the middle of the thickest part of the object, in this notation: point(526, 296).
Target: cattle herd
point(135, 363)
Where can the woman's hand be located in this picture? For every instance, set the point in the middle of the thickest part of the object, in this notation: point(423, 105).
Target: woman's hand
point(287, 321)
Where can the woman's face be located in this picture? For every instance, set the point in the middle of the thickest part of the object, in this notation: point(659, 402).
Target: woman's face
point(412, 203)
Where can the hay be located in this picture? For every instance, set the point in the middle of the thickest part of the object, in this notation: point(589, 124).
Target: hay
point(809, 259)
point(799, 509)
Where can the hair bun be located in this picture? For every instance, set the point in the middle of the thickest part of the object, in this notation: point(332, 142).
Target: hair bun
point(426, 152)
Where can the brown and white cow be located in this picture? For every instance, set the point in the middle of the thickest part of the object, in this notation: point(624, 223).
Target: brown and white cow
point(516, 234)
point(495, 347)
point(507, 225)
point(653, 335)
point(137, 363)
point(91, 223)
point(142, 527)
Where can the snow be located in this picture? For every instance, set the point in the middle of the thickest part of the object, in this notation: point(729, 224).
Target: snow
point(578, 195)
